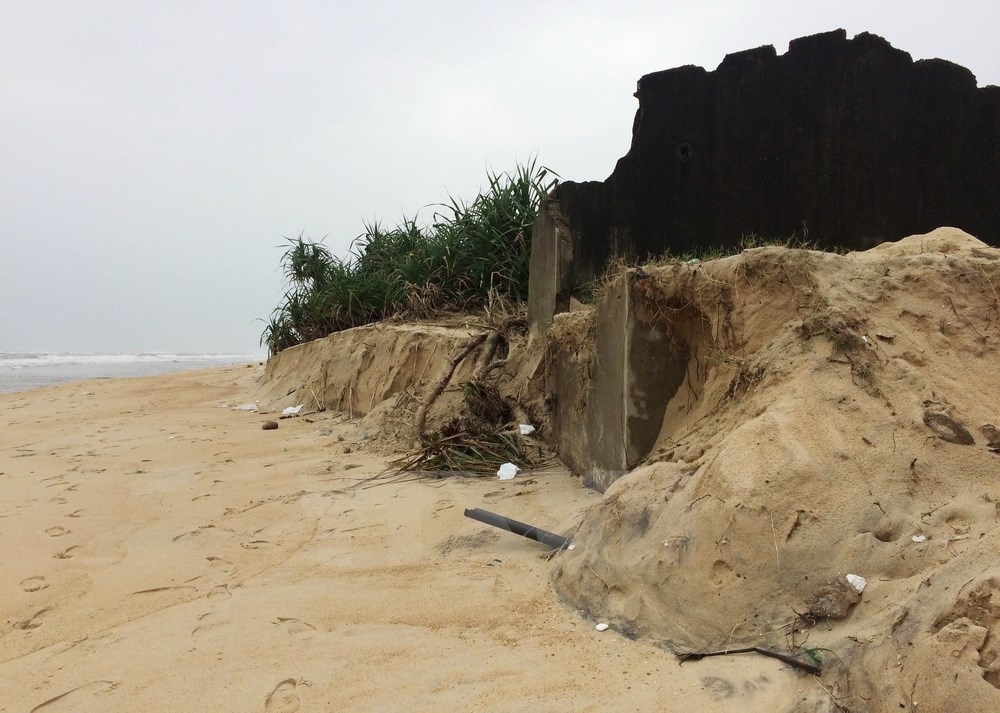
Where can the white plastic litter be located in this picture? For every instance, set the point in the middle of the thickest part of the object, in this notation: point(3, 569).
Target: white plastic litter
point(245, 407)
point(919, 538)
point(571, 547)
point(857, 581)
point(291, 410)
point(507, 471)
point(526, 429)
point(601, 627)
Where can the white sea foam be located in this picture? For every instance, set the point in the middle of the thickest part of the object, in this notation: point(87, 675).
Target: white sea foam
point(21, 360)
point(20, 371)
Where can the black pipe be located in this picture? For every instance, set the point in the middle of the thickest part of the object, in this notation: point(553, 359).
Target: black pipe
point(518, 528)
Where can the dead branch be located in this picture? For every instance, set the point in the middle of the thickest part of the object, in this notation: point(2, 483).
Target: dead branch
point(443, 380)
point(486, 356)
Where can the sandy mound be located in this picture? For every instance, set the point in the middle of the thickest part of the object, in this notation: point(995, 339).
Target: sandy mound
point(356, 370)
point(839, 417)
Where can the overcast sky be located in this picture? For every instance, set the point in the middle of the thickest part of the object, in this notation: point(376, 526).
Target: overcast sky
point(153, 154)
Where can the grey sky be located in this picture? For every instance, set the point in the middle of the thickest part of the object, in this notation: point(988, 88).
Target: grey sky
point(153, 154)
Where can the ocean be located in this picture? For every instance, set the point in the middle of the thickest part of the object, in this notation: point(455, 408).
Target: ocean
point(22, 371)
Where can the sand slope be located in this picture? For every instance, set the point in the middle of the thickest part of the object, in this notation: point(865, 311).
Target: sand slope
point(838, 417)
point(164, 553)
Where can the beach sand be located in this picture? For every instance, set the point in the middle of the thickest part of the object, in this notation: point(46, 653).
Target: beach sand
point(162, 552)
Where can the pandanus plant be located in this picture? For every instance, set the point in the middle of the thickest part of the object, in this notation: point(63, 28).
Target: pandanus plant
point(471, 253)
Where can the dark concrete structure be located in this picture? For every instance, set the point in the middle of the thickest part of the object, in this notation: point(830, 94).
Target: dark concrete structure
point(846, 142)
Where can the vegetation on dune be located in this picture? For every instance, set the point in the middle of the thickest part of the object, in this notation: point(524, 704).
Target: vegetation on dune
point(470, 253)
point(590, 292)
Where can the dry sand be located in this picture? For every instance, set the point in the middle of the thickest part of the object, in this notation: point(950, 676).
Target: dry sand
point(161, 552)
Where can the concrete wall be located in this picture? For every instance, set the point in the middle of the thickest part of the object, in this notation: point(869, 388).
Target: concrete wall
point(610, 398)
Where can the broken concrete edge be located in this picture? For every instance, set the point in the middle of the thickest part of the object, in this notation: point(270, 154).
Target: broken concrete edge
point(619, 393)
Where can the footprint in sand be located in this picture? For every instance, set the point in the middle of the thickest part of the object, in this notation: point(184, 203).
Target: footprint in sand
point(220, 593)
point(34, 621)
point(57, 531)
point(157, 590)
point(67, 553)
point(76, 698)
point(219, 561)
point(212, 622)
point(34, 584)
point(284, 699)
point(208, 623)
point(294, 627)
point(256, 544)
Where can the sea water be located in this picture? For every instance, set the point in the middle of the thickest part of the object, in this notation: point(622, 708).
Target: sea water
point(22, 371)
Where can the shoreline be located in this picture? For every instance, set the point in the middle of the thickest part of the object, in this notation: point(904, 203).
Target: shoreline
point(25, 371)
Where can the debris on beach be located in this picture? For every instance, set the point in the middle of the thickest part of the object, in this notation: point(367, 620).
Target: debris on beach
point(554, 541)
point(269, 425)
point(793, 661)
point(507, 471)
point(858, 582)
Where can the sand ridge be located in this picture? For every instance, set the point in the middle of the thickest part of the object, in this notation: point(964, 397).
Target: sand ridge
point(838, 417)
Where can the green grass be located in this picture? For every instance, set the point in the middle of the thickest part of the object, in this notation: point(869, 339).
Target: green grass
point(470, 253)
point(590, 292)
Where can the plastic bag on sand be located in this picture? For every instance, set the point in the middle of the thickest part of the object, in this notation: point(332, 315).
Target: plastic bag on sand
point(245, 407)
point(292, 410)
point(507, 471)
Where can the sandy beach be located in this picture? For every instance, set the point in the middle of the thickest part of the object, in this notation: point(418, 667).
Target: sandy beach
point(162, 552)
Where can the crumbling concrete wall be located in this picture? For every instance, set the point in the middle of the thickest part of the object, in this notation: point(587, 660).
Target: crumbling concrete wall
point(846, 142)
point(611, 389)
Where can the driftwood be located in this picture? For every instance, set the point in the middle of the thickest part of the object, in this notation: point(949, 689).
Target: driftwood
point(788, 659)
point(442, 381)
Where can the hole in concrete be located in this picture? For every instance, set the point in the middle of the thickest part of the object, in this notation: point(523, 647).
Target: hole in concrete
point(660, 359)
point(677, 366)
